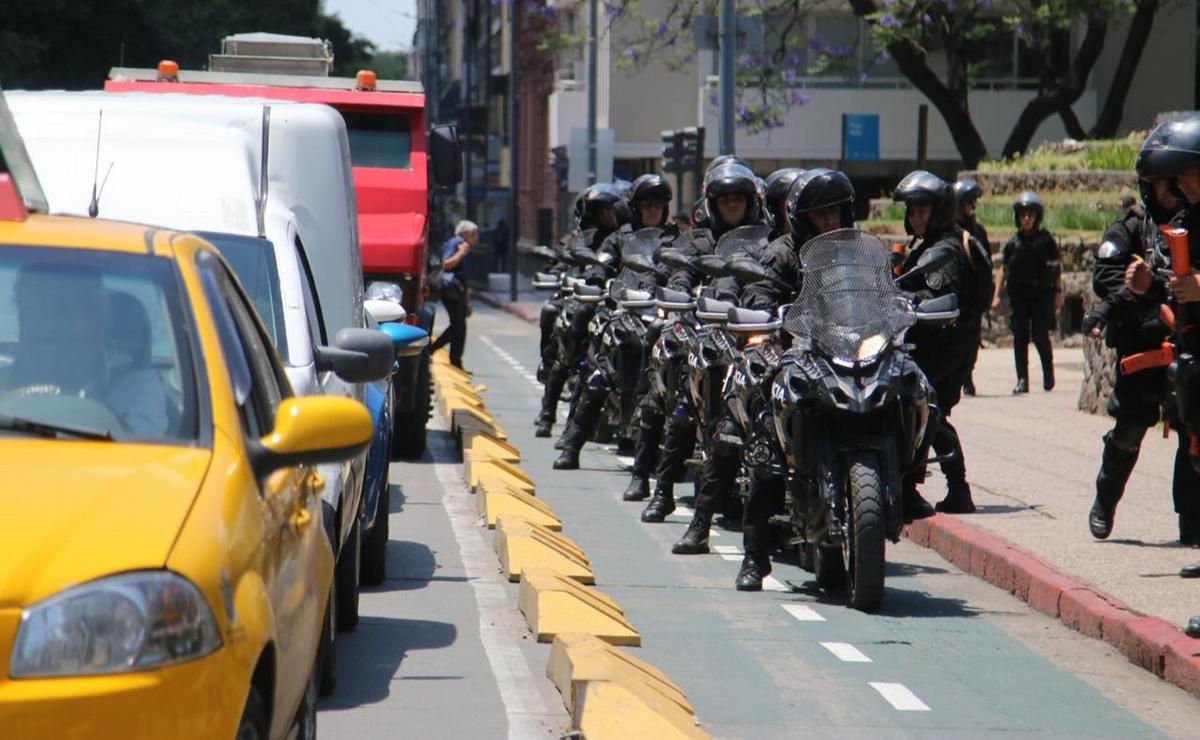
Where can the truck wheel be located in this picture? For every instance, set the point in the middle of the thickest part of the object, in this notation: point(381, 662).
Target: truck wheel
point(374, 559)
point(865, 536)
point(408, 427)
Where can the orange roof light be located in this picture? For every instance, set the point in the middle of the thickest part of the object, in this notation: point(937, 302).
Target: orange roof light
point(168, 71)
point(365, 80)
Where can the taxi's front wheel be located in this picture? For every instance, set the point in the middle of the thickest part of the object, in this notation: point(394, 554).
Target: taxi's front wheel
point(254, 724)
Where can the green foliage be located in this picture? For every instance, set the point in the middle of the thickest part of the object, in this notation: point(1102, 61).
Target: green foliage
point(1065, 213)
point(71, 44)
point(1107, 154)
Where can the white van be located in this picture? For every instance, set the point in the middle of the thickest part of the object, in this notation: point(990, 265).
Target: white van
point(195, 163)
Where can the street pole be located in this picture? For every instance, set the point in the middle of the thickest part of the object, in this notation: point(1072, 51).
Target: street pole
point(727, 29)
point(514, 229)
point(591, 100)
point(465, 109)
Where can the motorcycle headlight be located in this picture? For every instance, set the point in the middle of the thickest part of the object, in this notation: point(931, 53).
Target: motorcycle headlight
point(870, 347)
point(381, 291)
point(130, 622)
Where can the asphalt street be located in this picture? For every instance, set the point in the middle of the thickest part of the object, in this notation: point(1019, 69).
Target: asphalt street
point(443, 652)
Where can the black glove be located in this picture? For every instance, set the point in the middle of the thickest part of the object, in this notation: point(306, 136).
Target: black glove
point(1094, 322)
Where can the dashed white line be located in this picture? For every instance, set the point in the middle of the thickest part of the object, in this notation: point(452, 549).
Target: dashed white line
point(728, 552)
point(683, 511)
point(898, 695)
point(771, 583)
point(846, 652)
point(803, 612)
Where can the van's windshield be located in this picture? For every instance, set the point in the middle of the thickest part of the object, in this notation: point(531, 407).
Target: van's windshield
point(378, 139)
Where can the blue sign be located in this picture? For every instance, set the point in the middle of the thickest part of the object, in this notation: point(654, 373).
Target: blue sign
point(860, 137)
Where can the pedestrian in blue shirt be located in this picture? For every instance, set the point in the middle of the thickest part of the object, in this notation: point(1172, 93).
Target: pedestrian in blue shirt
point(454, 289)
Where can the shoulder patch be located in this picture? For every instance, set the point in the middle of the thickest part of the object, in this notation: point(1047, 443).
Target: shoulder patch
point(1108, 250)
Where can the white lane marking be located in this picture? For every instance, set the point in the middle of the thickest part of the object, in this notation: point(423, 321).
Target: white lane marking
point(683, 510)
point(898, 695)
point(530, 705)
point(728, 552)
point(513, 362)
point(846, 652)
point(803, 612)
point(771, 583)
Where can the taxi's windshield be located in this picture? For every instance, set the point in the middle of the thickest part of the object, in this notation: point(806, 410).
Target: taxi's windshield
point(93, 341)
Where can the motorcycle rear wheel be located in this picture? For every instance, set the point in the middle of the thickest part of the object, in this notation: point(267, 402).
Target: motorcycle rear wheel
point(865, 533)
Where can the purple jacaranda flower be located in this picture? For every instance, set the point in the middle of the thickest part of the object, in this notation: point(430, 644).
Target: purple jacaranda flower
point(630, 53)
point(789, 76)
point(888, 21)
point(799, 98)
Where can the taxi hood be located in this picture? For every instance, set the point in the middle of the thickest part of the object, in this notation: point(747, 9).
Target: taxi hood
point(71, 512)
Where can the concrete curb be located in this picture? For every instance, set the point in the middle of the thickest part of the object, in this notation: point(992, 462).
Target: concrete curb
point(507, 307)
point(1149, 642)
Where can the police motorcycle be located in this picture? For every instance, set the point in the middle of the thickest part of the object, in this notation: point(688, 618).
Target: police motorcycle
point(853, 413)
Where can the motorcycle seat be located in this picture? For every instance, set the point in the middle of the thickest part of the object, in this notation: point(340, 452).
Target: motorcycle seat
point(589, 293)
point(745, 319)
point(628, 298)
point(674, 300)
point(710, 309)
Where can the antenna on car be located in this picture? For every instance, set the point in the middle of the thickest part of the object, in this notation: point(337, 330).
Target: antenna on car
point(97, 185)
point(262, 172)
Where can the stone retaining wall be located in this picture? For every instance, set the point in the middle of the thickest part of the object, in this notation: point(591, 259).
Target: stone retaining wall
point(1118, 182)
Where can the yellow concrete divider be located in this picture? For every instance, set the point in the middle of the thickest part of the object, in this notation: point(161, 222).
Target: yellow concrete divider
point(466, 421)
point(485, 444)
point(611, 694)
point(522, 544)
point(553, 603)
point(454, 399)
point(510, 473)
point(494, 500)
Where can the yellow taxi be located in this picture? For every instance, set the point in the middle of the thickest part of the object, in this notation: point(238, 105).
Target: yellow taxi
point(164, 571)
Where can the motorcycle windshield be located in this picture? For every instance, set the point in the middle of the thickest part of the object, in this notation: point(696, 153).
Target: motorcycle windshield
point(848, 304)
point(744, 240)
point(642, 242)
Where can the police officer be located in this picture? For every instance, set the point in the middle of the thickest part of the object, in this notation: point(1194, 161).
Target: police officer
point(944, 354)
point(820, 200)
point(967, 192)
point(1032, 273)
point(778, 183)
point(1130, 314)
point(648, 200)
point(597, 211)
point(731, 200)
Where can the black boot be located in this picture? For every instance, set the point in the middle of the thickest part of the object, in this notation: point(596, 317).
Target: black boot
point(637, 490)
point(1193, 628)
point(560, 443)
point(969, 387)
point(568, 460)
point(1116, 463)
point(754, 569)
point(1048, 377)
point(661, 504)
point(543, 426)
point(625, 446)
point(695, 539)
point(958, 499)
point(915, 506)
point(1022, 386)
point(1100, 519)
point(1189, 530)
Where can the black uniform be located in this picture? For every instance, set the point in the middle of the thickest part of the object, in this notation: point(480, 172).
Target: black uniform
point(976, 230)
point(1031, 270)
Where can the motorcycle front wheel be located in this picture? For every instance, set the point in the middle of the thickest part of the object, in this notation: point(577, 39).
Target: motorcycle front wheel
point(865, 539)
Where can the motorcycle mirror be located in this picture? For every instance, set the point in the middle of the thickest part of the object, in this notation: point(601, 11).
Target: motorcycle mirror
point(673, 258)
point(711, 265)
point(543, 252)
point(932, 260)
point(747, 270)
point(639, 263)
point(938, 311)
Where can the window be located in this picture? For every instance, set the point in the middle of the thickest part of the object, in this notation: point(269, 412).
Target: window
point(253, 262)
point(312, 300)
point(379, 139)
point(267, 388)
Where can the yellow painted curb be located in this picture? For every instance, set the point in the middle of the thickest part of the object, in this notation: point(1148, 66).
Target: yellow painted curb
point(467, 421)
point(609, 693)
point(468, 435)
point(494, 500)
point(453, 399)
point(484, 444)
point(475, 470)
point(553, 603)
point(521, 544)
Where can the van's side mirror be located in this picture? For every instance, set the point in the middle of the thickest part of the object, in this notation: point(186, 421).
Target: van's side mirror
point(446, 155)
point(357, 356)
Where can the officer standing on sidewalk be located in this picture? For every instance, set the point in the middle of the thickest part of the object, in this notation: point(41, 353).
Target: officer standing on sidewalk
point(967, 193)
point(1032, 273)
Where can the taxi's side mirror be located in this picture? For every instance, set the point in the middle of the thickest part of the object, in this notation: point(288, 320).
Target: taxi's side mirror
point(310, 430)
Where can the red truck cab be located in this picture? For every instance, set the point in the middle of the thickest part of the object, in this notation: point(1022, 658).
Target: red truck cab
point(386, 127)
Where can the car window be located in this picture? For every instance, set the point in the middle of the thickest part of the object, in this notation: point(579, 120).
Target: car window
point(378, 139)
point(268, 386)
point(253, 262)
point(312, 300)
point(96, 340)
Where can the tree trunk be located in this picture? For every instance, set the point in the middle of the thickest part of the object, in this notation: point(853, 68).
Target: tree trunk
point(953, 108)
point(1058, 97)
point(1071, 121)
point(1109, 119)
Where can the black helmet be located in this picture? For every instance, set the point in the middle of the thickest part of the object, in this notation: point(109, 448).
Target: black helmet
point(730, 179)
point(920, 186)
point(622, 186)
point(816, 189)
point(1029, 201)
point(967, 191)
point(778, 184)
point(725, 159)
point(591, 200)
point(648, 188)
point(699, 216)
point(1171, 149)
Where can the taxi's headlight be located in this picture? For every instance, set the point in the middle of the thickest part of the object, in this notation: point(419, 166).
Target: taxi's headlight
point(130, 622)
point(383, 291)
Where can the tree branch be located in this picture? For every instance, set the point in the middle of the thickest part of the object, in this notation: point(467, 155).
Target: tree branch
point(1109, 119)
